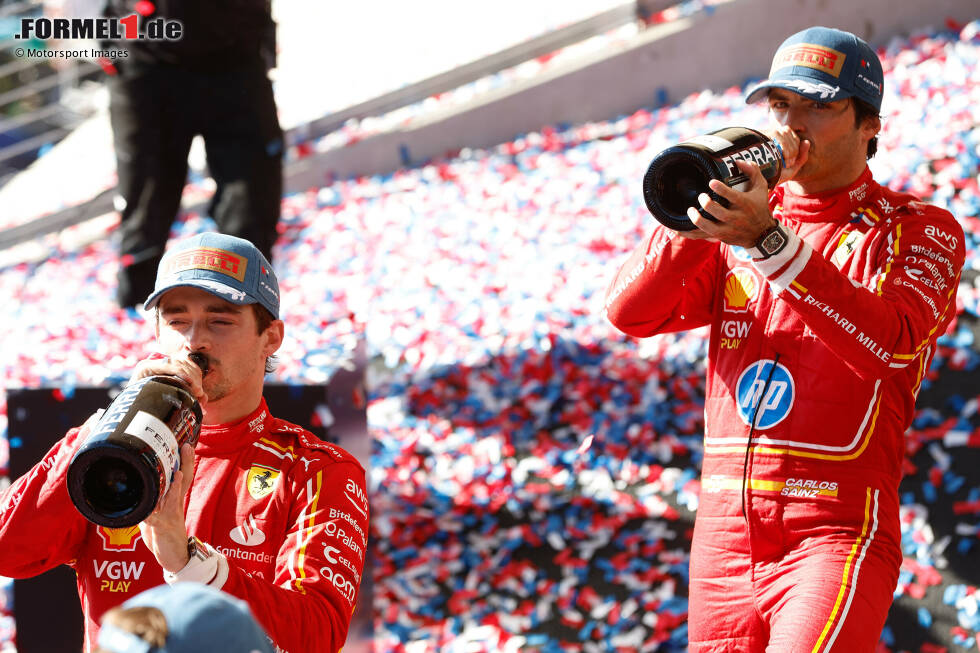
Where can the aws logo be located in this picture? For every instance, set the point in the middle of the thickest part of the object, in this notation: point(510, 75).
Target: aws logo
point(942, 238)
point(741, 289)
point(119, 539)
point(355, 494)
point(764, 394)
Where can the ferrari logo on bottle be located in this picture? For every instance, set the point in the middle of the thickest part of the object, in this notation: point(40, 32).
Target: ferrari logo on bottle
point(261, 481)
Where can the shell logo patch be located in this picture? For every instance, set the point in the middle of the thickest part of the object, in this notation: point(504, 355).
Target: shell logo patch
point(119, 539)
point(741, 288)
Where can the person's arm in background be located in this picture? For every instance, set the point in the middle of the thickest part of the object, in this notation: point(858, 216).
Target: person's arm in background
point(40, 528)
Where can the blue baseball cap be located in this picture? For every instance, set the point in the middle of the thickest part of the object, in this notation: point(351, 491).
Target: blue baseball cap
point(825, 64)
point(229, 267)
point(199, 618)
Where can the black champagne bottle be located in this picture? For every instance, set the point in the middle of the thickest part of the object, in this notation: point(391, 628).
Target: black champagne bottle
point(676, 176)
point(127, 462)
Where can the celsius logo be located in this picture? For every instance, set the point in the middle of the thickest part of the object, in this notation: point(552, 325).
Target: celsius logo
point(104, 28)
point(764, 393)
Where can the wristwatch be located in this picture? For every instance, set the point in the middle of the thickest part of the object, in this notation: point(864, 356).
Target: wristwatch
point(770, 242)
point(202, 566)
point(197, 549)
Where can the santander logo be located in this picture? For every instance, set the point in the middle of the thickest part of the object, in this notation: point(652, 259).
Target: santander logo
point(248, 533)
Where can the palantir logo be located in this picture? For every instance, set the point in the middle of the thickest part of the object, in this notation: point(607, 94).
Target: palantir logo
point(768, 399)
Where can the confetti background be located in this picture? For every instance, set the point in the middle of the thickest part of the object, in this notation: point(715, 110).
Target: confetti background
point(534, 473)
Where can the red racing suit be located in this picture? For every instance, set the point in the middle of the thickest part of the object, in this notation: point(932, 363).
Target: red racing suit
point(287, 512)
point(814, 362)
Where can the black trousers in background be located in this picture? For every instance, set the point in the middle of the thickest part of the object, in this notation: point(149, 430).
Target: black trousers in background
point(155, 112)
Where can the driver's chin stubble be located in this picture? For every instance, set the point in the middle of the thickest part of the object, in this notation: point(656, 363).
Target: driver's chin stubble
point(215, 390)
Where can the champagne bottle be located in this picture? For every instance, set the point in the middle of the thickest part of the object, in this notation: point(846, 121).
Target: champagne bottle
point(128, 461)
point(680, 173)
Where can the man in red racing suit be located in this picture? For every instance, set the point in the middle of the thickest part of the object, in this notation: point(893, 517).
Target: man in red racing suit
point(281, 516)
point(816, 354)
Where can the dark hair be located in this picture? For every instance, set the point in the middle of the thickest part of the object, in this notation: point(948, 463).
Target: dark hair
point(263, 320)
point(864, 111)
point(146, 622)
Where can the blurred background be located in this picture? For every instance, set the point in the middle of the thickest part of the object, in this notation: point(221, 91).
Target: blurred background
point(461, 182)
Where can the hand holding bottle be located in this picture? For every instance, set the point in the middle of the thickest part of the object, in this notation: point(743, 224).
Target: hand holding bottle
point(189, 367)
point(164, 531)
point(132, 455)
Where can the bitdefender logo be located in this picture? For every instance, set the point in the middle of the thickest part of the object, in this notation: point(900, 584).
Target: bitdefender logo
point(127, 28)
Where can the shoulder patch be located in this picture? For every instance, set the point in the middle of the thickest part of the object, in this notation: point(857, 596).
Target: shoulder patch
point(310, 442)
point(339, 454)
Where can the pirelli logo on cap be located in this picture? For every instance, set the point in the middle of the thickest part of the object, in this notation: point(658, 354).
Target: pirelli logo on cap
point(817, 57)
point(207, 258)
